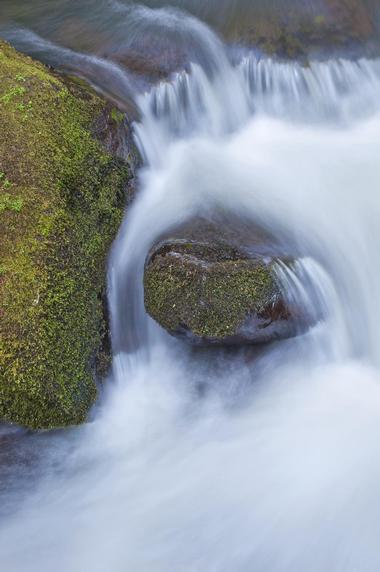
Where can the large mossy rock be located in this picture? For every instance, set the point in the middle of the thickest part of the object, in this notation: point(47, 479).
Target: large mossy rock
point(61, 202)
point(211, 293)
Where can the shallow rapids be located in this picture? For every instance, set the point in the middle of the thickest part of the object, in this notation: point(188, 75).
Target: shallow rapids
point(263, 461)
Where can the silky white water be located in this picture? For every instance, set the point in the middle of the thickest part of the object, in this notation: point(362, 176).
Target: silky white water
point(218, 462)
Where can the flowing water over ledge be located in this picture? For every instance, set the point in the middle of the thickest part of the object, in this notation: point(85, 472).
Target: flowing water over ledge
point(213, 461)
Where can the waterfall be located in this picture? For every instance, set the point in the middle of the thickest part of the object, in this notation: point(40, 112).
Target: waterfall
point(273, 466)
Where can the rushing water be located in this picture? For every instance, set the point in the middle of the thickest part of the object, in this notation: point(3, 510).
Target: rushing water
point(214, 461)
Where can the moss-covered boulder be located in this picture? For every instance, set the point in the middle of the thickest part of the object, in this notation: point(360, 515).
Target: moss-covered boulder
point(62, 194)
point(212, 293)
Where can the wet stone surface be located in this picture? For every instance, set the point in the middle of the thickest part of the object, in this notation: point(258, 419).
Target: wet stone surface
point(208, 291)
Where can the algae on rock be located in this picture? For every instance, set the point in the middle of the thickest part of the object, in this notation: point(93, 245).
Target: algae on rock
point(62, 195)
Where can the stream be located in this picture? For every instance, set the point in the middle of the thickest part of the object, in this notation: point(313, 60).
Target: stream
point(208, 461)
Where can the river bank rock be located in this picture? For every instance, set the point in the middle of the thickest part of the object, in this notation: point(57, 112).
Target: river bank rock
point(211, 293)
point(62, 196)
point(302, 29)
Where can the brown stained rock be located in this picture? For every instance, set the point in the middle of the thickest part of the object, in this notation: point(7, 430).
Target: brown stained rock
point(298, 31)
point(353, 16)
point(157, 65)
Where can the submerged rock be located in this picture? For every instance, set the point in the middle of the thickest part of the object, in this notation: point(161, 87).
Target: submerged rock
point(62, 193)
point(213, 293)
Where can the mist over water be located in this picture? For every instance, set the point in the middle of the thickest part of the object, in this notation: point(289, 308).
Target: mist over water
point(220, 461)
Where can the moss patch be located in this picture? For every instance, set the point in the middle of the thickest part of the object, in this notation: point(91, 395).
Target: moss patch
point(209, 296)
point(61, 202)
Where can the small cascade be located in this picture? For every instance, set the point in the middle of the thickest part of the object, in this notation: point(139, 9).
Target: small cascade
point(331, 90)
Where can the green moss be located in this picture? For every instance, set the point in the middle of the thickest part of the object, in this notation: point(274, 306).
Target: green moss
point(210, 298)
point(319, 20)
point(12, 93)
point(10, 203)
point(117, 116)
point(57, 222)
point(4, 182)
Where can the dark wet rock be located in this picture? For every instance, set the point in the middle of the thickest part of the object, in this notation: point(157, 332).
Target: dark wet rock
point(152, 66)
point(208, 291)
point(301, 30)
